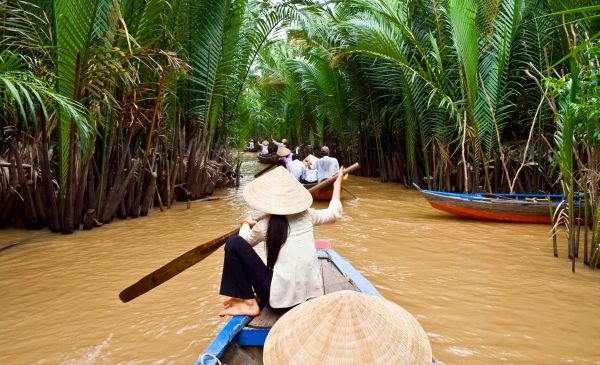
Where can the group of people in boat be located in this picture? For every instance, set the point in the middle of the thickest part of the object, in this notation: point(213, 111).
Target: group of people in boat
point(310, 170)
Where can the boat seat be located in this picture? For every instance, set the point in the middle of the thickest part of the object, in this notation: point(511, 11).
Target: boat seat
point(333, 280)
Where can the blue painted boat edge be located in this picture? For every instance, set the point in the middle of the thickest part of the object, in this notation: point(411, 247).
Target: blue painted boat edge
point(223, 339)
point(504, 195)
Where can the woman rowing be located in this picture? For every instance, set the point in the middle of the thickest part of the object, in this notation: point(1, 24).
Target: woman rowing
point(292, 273)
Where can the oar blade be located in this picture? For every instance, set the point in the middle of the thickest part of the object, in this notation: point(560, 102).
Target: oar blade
point(174, 267)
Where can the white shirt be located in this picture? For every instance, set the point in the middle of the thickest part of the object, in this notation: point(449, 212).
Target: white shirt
point(309, 175)
point(265, 149)
point(296, 168)
point(279, 144)
point(326, 166)
point(297, 273)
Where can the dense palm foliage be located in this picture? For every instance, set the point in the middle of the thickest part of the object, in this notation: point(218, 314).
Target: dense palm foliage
point(110, 105)
point(456, 94)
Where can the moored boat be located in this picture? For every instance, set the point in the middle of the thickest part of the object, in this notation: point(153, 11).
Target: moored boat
point(270, 158)
point(520, 208)
point(242, 339)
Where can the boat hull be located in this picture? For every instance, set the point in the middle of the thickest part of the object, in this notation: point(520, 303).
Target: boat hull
point(517, 208)
point(269, 159)
point(324, 194)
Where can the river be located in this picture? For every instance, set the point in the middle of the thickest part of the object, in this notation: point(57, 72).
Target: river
point(484, 292)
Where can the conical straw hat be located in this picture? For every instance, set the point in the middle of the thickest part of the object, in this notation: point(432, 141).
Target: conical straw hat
point(312, 159)
point(347, 327)
point(277, 192)
point(265, 143)
point(283, 151)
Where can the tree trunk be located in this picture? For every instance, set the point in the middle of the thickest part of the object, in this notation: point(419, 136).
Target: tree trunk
point(81, 190)
point(29, 205)
point(49, 193)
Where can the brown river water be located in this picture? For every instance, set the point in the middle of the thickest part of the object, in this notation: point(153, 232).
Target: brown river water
point(485, 293)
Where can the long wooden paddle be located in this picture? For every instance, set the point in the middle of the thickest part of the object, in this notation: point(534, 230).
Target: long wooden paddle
point(264, 170)
point(195, 255)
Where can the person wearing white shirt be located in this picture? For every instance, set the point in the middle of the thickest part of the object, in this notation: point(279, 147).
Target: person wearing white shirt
point(265, 147)
point(326, 166)
point(281, 144)
point(296, 167)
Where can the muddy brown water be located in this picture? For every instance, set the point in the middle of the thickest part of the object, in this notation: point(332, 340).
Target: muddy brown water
point(484, 292)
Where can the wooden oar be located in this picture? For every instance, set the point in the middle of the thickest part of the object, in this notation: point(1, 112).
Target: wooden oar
point(265, 170)
point(196, 255)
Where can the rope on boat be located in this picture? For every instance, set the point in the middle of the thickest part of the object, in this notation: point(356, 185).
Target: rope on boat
point(201, 358)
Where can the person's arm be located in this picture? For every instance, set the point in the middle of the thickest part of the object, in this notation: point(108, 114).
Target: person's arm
point(334, 210)
point(337, 185)
point(253, 232)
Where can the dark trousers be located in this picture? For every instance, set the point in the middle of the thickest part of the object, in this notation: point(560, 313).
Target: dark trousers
point(244, 273)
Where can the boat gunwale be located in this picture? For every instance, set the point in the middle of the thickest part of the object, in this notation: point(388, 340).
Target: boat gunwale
point(227, 335)
point(479, 197)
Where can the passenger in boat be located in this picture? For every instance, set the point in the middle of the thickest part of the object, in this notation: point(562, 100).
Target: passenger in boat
point(250, 145)
point(282, 144)
point(265, 147)
point(284, 154)
point(292, 273)
point(326, 166)
point(296, 167)
point(309, 174)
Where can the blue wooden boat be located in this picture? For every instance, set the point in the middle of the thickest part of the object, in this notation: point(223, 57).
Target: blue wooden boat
point(520, 208)
point(242, 339)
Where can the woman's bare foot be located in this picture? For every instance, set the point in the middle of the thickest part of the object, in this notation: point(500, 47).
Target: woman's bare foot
point(229, 301)
point(246, 307)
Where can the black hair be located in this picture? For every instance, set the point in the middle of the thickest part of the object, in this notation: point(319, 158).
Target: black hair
point(281, 163)
point(277, 234)
point(294, 156)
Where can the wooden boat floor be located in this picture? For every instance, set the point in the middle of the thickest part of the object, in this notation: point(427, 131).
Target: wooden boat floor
point(333, 280)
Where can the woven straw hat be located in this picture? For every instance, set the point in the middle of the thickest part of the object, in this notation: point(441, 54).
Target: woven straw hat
point(284, 140)
point(347, 327)
point(277, 192)
point(282, 151)
point(265, 143)
point(312, 159)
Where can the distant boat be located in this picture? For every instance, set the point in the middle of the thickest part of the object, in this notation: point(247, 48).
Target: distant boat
point(269, 159)
point(242, 339)
point(324, 194)
point(520, 208)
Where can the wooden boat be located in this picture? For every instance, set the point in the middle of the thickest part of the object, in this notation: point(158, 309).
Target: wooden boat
point(242, 339)
point(324, 194)
point(521, 208)
point(269, 159)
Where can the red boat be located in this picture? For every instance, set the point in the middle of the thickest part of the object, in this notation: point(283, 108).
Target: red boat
point(521, 208)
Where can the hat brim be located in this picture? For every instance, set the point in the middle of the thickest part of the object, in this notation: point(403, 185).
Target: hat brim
point(283, 151)
point(277, 192)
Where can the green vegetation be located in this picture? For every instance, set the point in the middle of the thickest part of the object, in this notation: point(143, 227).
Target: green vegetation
point(119, 104)
point(108, 105)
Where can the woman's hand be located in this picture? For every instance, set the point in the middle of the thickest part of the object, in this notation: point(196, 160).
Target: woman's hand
point(342, 176)
point(250, 221)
